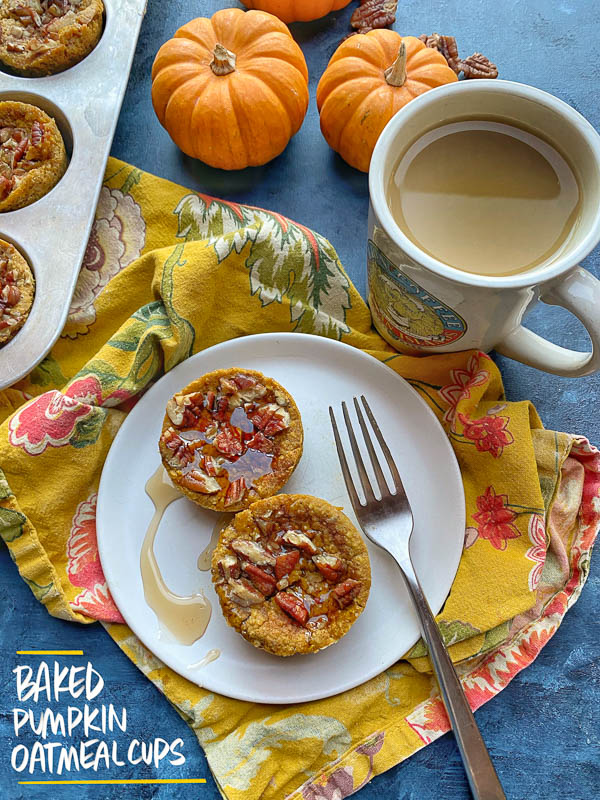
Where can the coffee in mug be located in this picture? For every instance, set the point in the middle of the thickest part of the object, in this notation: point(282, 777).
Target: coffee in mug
point(485, 197)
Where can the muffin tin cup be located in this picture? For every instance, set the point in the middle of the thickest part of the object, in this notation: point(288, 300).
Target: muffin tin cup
point(53, 232)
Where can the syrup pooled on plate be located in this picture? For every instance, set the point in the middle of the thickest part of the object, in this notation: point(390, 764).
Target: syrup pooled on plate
point(205, 556)
point(485, 197)
point(186, 618)
point(211, 656)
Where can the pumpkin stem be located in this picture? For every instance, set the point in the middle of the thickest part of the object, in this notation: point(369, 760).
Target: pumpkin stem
point(396, 74)
point(223, 60)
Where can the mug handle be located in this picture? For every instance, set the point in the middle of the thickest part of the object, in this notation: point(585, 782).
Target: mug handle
point(579, 293)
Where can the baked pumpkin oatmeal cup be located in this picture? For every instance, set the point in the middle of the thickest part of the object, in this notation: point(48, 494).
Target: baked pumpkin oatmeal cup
point(32, 154)
point(17, 287)
point(42, 37)
point(292, 574)
point(230, 438)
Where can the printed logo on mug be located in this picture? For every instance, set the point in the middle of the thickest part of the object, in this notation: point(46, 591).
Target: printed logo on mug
point(485, 196)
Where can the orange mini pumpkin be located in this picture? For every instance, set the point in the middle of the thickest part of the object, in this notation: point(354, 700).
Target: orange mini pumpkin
point(297, 10)
point(231, 90)
point(370, 78)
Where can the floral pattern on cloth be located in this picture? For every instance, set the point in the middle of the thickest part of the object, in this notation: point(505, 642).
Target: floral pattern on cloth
point(84, 568)
point(284, 259)
point(117, 239)
point(463, 381)
point(489, 434)
point(495, 519)
point(161, 266)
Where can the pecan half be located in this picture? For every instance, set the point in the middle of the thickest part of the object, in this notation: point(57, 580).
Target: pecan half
point(245, 593)
point(235, 491)
point(253, 551)
point(374, 14)
point(446, 45)
point(330, 567)
point(285, 563)
point(293, 606)
point(300, 540)
point(229, 567)
point(197, 481)
point(478, 66)
point(264, 582)
point(346, 592)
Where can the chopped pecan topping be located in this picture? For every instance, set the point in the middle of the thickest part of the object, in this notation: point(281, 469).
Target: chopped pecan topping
point(10, 294)
point(330, 567)
point(38, 23)
point(20, 152)
point(478, 66)
point(197, 481)
point(229, 441)
point(228, 435)
point(176, 408)
point(264, 582)
point(285, 563)
point(346, 592)
point(300, 540)
point(374, 14)
point(446, 45)
point(291, 558)
point(271, 419)
point(245, 593)
point(260, 442)
point(229, 567)
point(253, 552)
point(37, 133)
point(235, 492)
point(39, 14)
point(293, 606)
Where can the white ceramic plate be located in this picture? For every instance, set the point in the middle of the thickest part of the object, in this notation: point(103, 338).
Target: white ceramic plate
point(318, 372)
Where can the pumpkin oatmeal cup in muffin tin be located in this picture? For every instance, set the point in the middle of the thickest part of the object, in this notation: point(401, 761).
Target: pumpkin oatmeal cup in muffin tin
point(32, 154)
point(43, 37)
point(231, 438)
point(292, 574)
point(17, 288)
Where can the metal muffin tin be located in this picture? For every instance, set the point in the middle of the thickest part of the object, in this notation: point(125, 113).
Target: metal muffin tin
point(53, 232)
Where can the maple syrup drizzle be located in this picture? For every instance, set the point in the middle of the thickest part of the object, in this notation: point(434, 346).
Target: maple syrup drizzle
point(240, 420)
point(205, 557)
point(212, 655)
point(251, 466)
point(186, 618)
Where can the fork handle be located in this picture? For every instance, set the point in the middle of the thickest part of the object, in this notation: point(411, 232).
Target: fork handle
point(481, 774)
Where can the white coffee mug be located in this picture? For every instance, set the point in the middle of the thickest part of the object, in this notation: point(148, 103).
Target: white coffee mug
point(454, 310)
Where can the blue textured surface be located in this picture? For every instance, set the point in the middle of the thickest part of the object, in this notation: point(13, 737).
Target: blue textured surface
point(543, 730)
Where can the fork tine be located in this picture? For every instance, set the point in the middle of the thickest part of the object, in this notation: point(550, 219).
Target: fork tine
point(360, 466)
point(354, 499)
point(383, 487)
point(386, 450)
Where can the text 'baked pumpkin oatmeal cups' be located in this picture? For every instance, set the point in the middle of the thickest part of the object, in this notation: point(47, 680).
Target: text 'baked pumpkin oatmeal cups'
point(32, 154)
point(43, 37)
point(292, 574)
point(231, 438)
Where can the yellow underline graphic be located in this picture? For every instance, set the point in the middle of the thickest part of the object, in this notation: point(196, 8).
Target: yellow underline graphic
point(49, 652)
point(130, 780)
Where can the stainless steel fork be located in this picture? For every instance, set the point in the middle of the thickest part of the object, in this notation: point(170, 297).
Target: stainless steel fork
point(388, 522)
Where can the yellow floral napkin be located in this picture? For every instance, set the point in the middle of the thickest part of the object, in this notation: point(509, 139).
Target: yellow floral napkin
point(169, 272)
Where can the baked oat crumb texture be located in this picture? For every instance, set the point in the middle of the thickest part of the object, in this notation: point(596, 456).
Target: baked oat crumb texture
point(32, 154)
point(292, 574)
point(17, 288)
point(43, 37)
point(230, 438)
